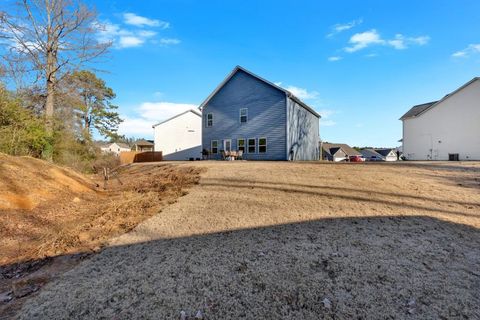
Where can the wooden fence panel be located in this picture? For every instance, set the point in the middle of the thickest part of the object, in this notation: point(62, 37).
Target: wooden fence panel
point(133, 156)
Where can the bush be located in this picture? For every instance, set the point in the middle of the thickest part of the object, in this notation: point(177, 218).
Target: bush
point(21, 131)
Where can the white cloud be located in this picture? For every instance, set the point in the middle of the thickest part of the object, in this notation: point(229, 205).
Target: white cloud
point(168, 41)
point(130, 41)
point(126, 36)
point(471, 49)
point(369, 38)
point(340, 27)
point(302, 93)
point(326, 113)
point(136, 127)
point(327, 123)
point(334, 58)
point(139, 21)
point(401, 42)
point(149, 113)
point(364, 39)
point(422, 40)
point(325, 120)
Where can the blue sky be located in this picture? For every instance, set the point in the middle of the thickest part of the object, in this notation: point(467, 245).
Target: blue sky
point(361, 64)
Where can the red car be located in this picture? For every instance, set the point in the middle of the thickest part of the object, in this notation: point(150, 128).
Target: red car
point(356, 159)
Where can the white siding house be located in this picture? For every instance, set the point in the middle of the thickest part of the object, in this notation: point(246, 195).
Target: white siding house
point(115, 147)
point(448, 129)
point(180, 137)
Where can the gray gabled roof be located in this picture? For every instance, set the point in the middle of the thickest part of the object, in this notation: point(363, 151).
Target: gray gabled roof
point(239, 68)
point(369, 153)
point(384, 151)
point(198, 113)
point(417, 110)
point(349, 151)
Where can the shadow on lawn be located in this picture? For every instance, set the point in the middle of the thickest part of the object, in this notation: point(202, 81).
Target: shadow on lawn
point(465, 166)
point(363, 268)
point(400, 201)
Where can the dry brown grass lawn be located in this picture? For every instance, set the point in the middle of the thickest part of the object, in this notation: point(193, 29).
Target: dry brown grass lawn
point(292, 241)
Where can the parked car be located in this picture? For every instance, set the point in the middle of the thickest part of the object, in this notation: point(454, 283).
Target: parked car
point(356, 159)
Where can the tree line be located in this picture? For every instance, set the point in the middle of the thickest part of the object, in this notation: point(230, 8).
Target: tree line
point(51, 98)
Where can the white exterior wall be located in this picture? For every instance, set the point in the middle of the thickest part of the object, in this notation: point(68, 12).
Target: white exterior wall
point(391, 157)
point(180, 138)
point(452, 126)
point(114, 148)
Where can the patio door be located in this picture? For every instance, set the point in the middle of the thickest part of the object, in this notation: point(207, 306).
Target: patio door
point(227, 145)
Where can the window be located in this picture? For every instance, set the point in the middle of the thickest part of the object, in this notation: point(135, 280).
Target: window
point(241, 145)
point(227, 145)
point(209, 119)
point(262, 145)
point(214, 147)
point(252, 145)
point(243, 115)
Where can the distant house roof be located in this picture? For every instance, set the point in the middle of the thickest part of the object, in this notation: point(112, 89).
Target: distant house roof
point(422, 108)
point(239, 68)
point(418, 109)
point(333, 151)
point(123, 145)
point(144, 143)
point(102, 144)
point(385, 151)
point(370, 153)
point(197, 112)
point(349, 151)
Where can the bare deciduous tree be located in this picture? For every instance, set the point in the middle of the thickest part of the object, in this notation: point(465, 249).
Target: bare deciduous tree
point(49, 39)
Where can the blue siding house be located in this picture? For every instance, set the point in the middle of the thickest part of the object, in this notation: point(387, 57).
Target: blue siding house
point(267, 122)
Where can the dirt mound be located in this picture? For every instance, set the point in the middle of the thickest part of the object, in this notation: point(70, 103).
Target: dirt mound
point(27, 182)
point(51, 217)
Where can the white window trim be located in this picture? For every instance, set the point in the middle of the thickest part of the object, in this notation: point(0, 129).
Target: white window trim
point(240, 115)
point(244, 144)
point(248, 145)
point(206, 120)
point(266, 143)
point(211, 146)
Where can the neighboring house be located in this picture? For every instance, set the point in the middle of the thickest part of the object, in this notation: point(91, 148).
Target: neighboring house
point(180, 137)
point(348, 151)
point(371, 155)
point(115, 147)
point(143, 146)
point(335, 154)
point(388, 154)
point(448, 129)
point(265, 121)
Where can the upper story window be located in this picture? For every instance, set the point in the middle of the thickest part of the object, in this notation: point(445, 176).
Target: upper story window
point(209, 120)
point(243, 115)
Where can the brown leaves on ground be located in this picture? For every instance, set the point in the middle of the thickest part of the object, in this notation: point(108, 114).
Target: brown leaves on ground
point(67, 215)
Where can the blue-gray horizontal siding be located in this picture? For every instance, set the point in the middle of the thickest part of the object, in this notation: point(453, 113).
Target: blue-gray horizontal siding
point(266, 117)
point(303, 133)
